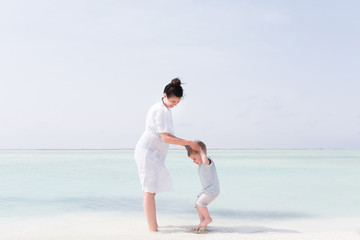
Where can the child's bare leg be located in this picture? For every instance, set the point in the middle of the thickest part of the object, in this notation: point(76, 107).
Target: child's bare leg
point(205, 213)
point(201, 216)
point(150, 211)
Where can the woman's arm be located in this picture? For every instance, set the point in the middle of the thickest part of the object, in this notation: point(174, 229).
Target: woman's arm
point(171, 139)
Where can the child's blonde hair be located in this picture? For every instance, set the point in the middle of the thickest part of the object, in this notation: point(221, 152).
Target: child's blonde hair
point(192, 151)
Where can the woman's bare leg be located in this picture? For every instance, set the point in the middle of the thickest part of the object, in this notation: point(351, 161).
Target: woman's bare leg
point(150, 211)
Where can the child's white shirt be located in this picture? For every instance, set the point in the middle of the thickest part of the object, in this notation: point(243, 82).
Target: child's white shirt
point(209, 179)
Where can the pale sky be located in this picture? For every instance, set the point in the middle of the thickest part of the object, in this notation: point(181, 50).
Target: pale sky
point(258, 74)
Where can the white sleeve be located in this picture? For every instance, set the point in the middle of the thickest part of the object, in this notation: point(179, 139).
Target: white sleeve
point(162, 120)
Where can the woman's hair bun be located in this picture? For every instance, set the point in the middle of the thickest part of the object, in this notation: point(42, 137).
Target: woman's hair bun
point(174, 88)
point(176, 82)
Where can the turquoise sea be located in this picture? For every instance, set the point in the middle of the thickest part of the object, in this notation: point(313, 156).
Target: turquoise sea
point(255, 184)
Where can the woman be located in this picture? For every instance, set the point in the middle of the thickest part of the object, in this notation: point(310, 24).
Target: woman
point(152, 148)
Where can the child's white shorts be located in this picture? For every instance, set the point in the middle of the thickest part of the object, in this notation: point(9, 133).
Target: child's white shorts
point(204, 199)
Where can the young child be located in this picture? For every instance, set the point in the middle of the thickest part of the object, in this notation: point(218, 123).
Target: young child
point(209, 182)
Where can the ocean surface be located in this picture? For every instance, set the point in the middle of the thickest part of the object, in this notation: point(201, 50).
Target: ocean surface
point(255, 184)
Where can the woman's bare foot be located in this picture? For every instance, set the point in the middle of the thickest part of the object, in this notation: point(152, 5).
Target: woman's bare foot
point(153, 230)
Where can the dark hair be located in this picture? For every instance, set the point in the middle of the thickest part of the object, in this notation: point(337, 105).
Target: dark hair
point(174, 88)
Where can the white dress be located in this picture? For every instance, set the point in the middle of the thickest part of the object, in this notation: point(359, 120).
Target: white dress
point(151, 150)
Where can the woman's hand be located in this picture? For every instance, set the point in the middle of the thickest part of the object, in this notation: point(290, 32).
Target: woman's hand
point(195, 146)
point(171, 139)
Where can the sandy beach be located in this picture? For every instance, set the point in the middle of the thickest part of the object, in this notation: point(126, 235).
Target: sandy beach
point(109, 226)
point(71, 195)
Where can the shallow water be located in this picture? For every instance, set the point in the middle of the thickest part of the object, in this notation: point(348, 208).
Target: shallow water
point(255, 184)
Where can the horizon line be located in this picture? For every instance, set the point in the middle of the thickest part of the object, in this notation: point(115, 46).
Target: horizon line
point(117, 149)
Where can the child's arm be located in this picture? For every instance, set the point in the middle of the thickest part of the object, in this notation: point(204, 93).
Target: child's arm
point(204, 158)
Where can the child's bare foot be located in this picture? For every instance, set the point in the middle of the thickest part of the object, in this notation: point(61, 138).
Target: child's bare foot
point(201, 227)
point(205, 223)
point(200, 230)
